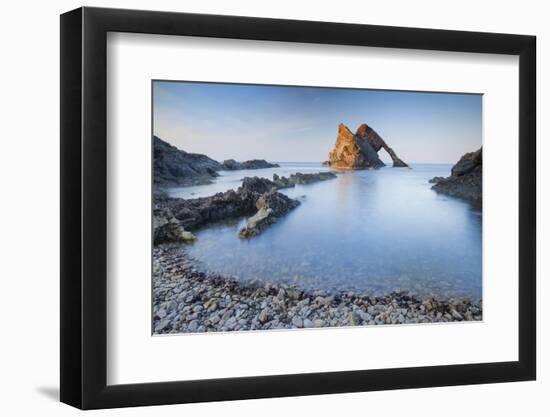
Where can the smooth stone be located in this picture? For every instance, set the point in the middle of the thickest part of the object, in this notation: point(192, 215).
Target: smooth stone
point(193, 326)
point(297, 321)
point(161, 325)
point(456, 315)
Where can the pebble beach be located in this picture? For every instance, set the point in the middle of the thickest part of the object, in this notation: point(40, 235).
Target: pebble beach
point(187, 300)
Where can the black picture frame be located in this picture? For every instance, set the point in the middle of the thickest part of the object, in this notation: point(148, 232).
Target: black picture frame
point(84, 207)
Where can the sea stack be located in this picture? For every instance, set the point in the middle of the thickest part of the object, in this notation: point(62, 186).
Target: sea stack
point(367, 133)
point(360, 150)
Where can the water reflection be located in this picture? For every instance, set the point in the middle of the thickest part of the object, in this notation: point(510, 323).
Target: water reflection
point(368, 231)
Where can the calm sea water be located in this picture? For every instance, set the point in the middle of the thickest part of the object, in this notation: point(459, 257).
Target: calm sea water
point(366, 231)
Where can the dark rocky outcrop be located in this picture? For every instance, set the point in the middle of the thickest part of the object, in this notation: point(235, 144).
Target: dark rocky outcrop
point(169, 213)
point(196, 212)
point(257, 185)
point(263, 185)
point(232, 165)
point(256, 197)
point(271, 206)
point(174, 167)
point(302, 179)
point(167, 229)
point(360, 150)
point(466, 178)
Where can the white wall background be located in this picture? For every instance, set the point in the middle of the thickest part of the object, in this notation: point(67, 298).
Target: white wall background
point(29, 164)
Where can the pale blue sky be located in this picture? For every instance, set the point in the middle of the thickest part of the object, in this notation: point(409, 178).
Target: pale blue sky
point(300, 123)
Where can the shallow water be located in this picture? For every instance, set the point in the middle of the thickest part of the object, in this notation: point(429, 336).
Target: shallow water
point(366, 231)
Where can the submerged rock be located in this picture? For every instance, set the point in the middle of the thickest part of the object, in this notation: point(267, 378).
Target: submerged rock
point(466, 180)
point(360, 150)
point(213, 302)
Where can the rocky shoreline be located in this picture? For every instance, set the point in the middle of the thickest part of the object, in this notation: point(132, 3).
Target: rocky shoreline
point(175, 218)
point(466, 179)
point(187, 300)
point(174, 167)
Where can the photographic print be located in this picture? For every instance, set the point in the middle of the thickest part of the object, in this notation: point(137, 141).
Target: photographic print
point(292, 207)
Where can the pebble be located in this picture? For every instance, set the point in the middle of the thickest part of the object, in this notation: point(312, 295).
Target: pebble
point(297, 321)
point(161, 325)
point(186, 300)
point(193, 326)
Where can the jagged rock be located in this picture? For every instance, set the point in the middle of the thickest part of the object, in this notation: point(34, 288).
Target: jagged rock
point(232, 165)
point(263, 185)
point(271, 206)
point(299, 178)
point(174, 167)
point(192, 213)
point(469, 163)
point(257, 184)
point(435, 180)
point(166, 228)
point(366, 132)
point(173, 217)
point(360, 150)
point(466, 180)
point(352, 152)
point(195, 212)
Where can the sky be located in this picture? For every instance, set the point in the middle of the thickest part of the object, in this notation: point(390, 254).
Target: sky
point(300, 124)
